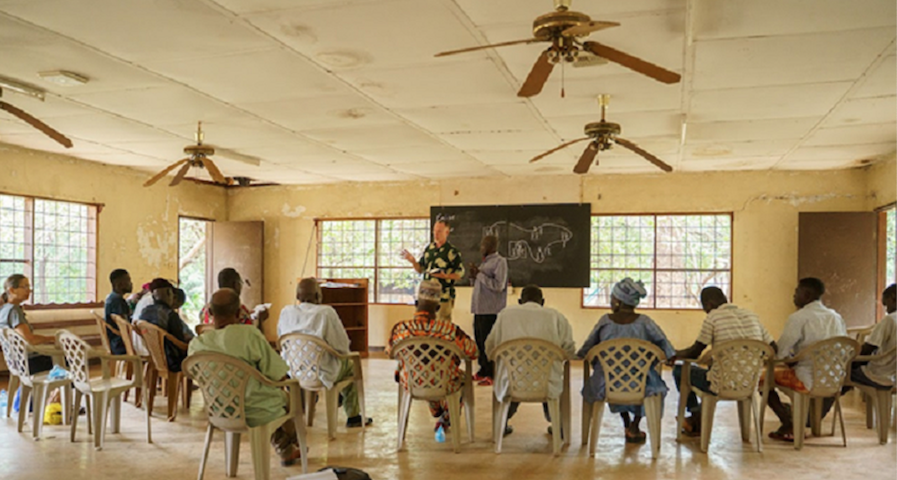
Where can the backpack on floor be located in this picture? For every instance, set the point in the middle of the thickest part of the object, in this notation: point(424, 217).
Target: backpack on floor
point(346, 473)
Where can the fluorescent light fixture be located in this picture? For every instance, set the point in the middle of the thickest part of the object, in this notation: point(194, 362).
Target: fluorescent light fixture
point(23, 88)
point(64, 78)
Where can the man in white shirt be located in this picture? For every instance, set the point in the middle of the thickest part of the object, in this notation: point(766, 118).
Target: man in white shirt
point(724, 322)
point(309, 317)
point(880, 373)
point(813, 323)
point(531, 319)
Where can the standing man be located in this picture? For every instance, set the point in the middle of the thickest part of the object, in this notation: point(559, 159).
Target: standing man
point(490, 296)
point(440, 261)
point(116, 304)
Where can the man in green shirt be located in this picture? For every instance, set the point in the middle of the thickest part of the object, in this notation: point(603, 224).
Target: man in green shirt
point(263, 403)
point(440, 261)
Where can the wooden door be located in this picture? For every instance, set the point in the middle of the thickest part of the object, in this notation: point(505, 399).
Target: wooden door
point(840, 248)
point(239, 245)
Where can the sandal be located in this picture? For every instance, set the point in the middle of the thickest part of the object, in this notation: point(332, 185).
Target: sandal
point(692, 427)
point(292, 458)
point(783, 434)
point(636, 436)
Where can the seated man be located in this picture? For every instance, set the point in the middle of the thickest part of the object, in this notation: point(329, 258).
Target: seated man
point(161, 314)
point(724, 322)
point(312, 318)
point(531, 319)
point(813, 323)
point(117, 305)
point(230, 278)
point(880, 373)
point(263, 403)
point(425, 324)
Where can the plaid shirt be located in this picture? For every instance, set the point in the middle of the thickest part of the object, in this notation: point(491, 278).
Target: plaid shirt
point(423, 325)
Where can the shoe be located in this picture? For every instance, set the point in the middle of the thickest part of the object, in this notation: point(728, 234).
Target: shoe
point(355, 422)
point(291, 458)
point(508, 430)
point(485, 382)
point(692, 427)
point(783, 434)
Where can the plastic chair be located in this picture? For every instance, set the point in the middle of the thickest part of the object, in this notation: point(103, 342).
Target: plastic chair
point(429, 363)
point(735, 370)
point(303, 353)
point(104, 329)
point(15, 351)
point(124, 326)
point(203, 327)
point(878, 400)
point(626, 363)
point(223, 380)
point(528, 363)
point(830, 361)
point(102, 391)
point(154, 339)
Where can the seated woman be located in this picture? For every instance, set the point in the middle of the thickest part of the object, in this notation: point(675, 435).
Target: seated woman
point(16, 290)
point(624, 322)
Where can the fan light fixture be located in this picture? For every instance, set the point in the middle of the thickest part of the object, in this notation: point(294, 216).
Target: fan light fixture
point(64, 78)
point(23, 88)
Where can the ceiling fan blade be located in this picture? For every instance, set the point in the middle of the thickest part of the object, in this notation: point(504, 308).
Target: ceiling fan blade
point(633, 63)
point(585, 161)
point(584, 29)
point(563, 145)
point(43, 127)
point(537, 76)
point(651, 158)
point(213, 171)
point(161, 174)
point(483, 47)
point(180, 175)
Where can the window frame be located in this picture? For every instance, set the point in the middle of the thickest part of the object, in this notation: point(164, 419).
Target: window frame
point(375, 281)
point(881, 274)
point(30, 245)
point(654, 270)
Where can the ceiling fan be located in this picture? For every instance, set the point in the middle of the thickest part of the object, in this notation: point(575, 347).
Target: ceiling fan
point(199, 158)
point(43, 127)
point(603, 135)
point(563, 28)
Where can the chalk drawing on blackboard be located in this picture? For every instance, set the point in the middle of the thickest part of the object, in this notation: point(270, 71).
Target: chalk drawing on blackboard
point(535, 242)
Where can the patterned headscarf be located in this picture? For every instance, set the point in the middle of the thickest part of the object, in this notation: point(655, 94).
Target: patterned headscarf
point(630, 291)
point(429, 290)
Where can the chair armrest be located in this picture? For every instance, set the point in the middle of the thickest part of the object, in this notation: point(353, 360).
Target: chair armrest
point(683, 361)
point(177, 343)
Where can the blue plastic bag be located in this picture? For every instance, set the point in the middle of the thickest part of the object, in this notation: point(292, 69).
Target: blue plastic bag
point(57, 373)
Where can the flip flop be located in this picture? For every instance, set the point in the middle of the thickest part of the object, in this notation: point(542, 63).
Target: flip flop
point(782, 436)
point(632, 437)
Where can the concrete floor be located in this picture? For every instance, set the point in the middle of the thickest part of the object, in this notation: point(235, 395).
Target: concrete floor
point(526, 453)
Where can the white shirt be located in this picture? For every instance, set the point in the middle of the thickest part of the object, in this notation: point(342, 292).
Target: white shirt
point(884, 336)
point(145, 301)
point(535, 321)
point(813, 323)
point(320, 321)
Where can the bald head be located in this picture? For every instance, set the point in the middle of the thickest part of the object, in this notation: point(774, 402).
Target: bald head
point(712, 298)
point(224, 307)
point(308, 291)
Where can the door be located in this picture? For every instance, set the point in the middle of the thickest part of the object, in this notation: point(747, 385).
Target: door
point(841, 250)
point(239, 245)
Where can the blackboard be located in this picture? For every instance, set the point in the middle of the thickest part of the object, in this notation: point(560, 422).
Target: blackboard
point(547, 245)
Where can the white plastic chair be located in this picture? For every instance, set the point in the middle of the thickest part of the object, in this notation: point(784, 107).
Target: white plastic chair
point(735, 370)
point(528, 363)
point(102, 391)
point(626, 363)
point(831, 360)
point(303, 353)
point(878, 400)
point(15, 351)
point(429, 364)
point(223, 380)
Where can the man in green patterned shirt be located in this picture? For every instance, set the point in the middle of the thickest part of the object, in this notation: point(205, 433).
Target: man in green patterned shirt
point(440, 261)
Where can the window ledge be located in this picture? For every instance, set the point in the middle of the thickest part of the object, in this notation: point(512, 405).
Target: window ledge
point(63, 306)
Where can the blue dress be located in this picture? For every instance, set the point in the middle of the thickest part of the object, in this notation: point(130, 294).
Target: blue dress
point(642, 328)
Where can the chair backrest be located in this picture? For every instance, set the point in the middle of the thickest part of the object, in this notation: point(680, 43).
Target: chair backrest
point(303, 353)
point(736, 367)
point(223, 380)
point(15, 351)
point(528, 362)
point(626, 363)
point(428, 363)
point(203, 327)
point(154, 340)
point(77, 356)
point(104, 328)
point(831, 364)
point(124, 328)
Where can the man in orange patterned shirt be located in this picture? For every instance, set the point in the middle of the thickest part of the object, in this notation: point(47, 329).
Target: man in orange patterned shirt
point(425, 324)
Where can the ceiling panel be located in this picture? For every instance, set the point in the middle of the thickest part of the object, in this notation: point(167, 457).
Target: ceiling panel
point(412, 154)
point(628, 92)
point(342, 111)
point(775, 129)
point(880, 81)
point(634, 124)
point(748, 163)
point(788, 101)
point(864, 110)
point(765, 148)
point(523, 140)
point(494, 117)
point(397, 135)
point(249, 6)
point(524, 11)
point(853, 135)
point(847, 153)
point(162, 105)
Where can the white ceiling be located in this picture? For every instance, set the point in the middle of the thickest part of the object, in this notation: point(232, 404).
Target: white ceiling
point(348, 90)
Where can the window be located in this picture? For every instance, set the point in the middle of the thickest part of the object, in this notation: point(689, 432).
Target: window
point(372, 249)
point(891, 247)
point(192, 256)
point(53, 243)
point(674, 255)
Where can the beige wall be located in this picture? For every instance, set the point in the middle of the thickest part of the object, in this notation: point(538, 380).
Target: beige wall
point(882, 183)
point(765, 206)
point(138, 227)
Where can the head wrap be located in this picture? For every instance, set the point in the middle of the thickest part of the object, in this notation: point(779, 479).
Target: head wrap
point(158, 283)
point(630, 291)
point(429, 290)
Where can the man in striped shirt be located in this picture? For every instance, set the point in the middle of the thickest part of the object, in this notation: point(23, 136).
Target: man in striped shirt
point(724, 322)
